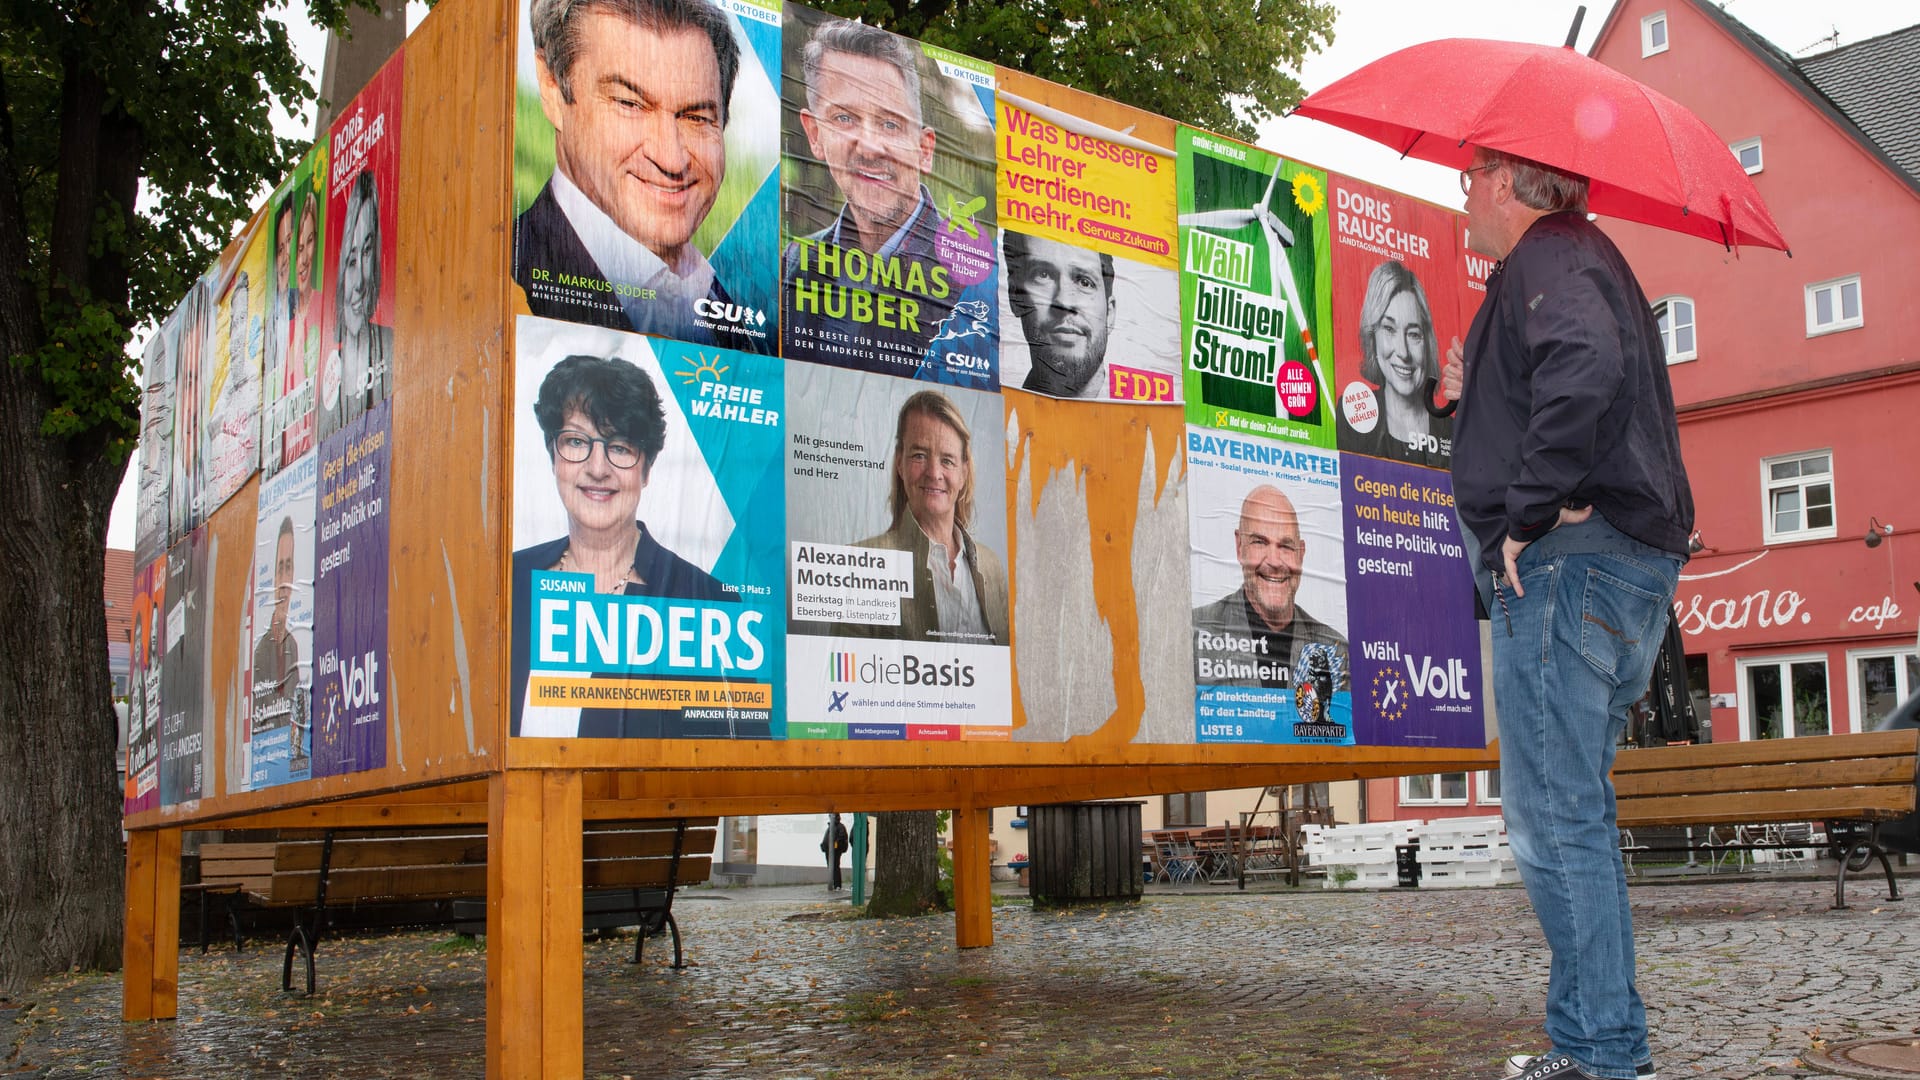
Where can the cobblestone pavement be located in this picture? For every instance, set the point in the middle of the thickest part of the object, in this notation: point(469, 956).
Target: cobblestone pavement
point(1741, 976)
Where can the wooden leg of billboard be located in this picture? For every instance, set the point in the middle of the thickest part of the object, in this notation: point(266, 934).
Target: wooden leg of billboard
point(534, 958)
point(972, 877)
point(150, 952)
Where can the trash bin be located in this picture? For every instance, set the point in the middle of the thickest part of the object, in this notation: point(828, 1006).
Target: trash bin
point(1083, 853)
point(1406, 859)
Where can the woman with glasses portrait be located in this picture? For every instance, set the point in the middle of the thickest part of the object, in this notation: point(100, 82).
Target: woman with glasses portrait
point(1397, 357)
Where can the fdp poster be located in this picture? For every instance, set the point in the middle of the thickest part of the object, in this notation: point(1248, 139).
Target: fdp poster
point(350, 677)
point(887, 216)
point(183, 742)
point(279, 732)
point(1394, 312)
point(144, 712)
point(645, 161)
point(1090, 290)
point(897, 530)
point(236, 334)
point(1269, 592)
point(151, 513)
point(362, 231)
point(648, 514)
point(1416, 663)
point(1255, 291)
point(293, 326)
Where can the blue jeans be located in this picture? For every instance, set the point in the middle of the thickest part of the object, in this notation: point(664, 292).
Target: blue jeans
point(1579, 651)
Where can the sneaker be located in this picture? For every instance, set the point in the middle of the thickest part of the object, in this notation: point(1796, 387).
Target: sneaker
point(1518, 1064)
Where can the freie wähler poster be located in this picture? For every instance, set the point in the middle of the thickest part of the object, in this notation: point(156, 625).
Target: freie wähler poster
point(887, 209)
point(144, 713)
point(1089, 274)
point(648, 521)
point(663, 226)
point(237, 337)
point(363, 236)
point(183, 741)
point(1416, 646)
point(155, 462)
point(278, 732)
point(350, 676)
point(299, 232)
point(1255, 291)
point(1394, 312)
point(1270, 654)
point(884, 477)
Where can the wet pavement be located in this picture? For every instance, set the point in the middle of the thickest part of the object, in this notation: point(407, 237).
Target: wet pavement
point(1743, 976)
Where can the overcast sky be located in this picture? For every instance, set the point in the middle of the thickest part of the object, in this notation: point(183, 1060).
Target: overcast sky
point(1366, 31)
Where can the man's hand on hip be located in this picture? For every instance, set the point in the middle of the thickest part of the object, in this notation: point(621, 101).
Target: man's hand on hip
point(1510, 548)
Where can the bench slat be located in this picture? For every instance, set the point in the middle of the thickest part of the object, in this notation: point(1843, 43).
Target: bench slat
point(629, 845)
point(1769, 751)
point(1853, 772)
point(442, 882)
point(1866, 803)
point(371, 854)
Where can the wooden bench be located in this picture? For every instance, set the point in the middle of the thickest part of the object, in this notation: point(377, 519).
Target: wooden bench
point(230, 873)
point(1852, 782)
point(631, 873)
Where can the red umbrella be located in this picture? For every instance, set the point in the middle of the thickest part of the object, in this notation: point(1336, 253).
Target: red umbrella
point(1648, 158)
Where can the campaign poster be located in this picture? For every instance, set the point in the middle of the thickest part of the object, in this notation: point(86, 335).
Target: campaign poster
point(1416, 658)
point(648, 519)
point(1089, 269)
point(236, 336)
point(1394, 312)
point(350, 677)
point(887, 205)
point(1269, 592)
point(144, 712)
point(278, 736)
point(1255, 291)
point(362, 237)
point(1470, 278)
point(188, 486)
point(184, 662)
point(897, 530)
point(645, 191)
point(293, 325)
point(155, 460)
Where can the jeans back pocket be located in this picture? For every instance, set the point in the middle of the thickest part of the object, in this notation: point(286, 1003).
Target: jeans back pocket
point(1620, 610)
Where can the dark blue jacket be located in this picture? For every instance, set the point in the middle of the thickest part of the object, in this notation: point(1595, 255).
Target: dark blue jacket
point(1567, 401)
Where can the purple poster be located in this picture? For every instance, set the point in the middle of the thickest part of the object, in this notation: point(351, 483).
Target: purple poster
point(1416, 650)
point(350, 598)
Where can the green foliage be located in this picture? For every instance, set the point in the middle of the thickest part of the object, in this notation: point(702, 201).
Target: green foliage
point(1218, 64)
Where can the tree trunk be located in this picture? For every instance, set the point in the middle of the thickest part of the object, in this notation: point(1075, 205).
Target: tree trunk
point(906, 873)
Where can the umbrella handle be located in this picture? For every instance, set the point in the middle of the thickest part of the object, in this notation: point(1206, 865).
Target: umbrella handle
point(1441, 411)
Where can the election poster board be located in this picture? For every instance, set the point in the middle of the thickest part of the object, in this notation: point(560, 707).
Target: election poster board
point(144, 712)
point(299, 231)
point(277, 739)
point(1394, 311)
point(887, 205)
point(1470, 280)
point(236, 331)
point(183, 741)
point(880, 471)
point(1089, 269)
point(1255, 291)
point(362, 239)
point(1416, 645)
point(350, 671)
point(188, 486)
point(1270, 655)
point(155, 459)
point(648, 586)
point(664, 221)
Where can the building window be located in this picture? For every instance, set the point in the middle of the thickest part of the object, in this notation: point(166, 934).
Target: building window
point(1488, 781)
point(1833, 305)
point(1881, 679)
point(1186, 809)
point(1799, 496)
point(1434, 789)
point(1784, 697)
point(1749, 154)
point(1653, 34)
point(1675, 314)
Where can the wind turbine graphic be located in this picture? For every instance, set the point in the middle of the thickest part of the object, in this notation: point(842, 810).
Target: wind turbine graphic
point(1279, 239)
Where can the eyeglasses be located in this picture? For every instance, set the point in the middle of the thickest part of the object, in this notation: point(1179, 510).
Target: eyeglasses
point(1467, 174)
point(577, 447)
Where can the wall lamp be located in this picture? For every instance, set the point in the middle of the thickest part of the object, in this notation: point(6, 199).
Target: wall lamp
point(1876, 531)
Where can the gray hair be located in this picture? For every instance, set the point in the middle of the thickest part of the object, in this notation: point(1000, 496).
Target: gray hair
point(1542, 187)
point(556, 34)
point(859, 39)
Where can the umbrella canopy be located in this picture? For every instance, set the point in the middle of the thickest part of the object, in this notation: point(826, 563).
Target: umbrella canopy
point(1647, 157)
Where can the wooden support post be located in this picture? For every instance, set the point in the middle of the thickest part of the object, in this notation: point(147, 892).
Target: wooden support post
point(150, 954)
point(972, 877)
point(534, 958)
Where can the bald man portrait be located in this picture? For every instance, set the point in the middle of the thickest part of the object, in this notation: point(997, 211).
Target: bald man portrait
point(1257, 634)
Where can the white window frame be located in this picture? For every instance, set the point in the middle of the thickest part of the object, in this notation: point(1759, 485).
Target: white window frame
point(1784, 662)
point(1647, 25)
point(1840, 321)
point(1671, 333)
point(1856, 693)
point(1768, 485)
point(1480, 787)
point(1407, 798)
point(1759, 156)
